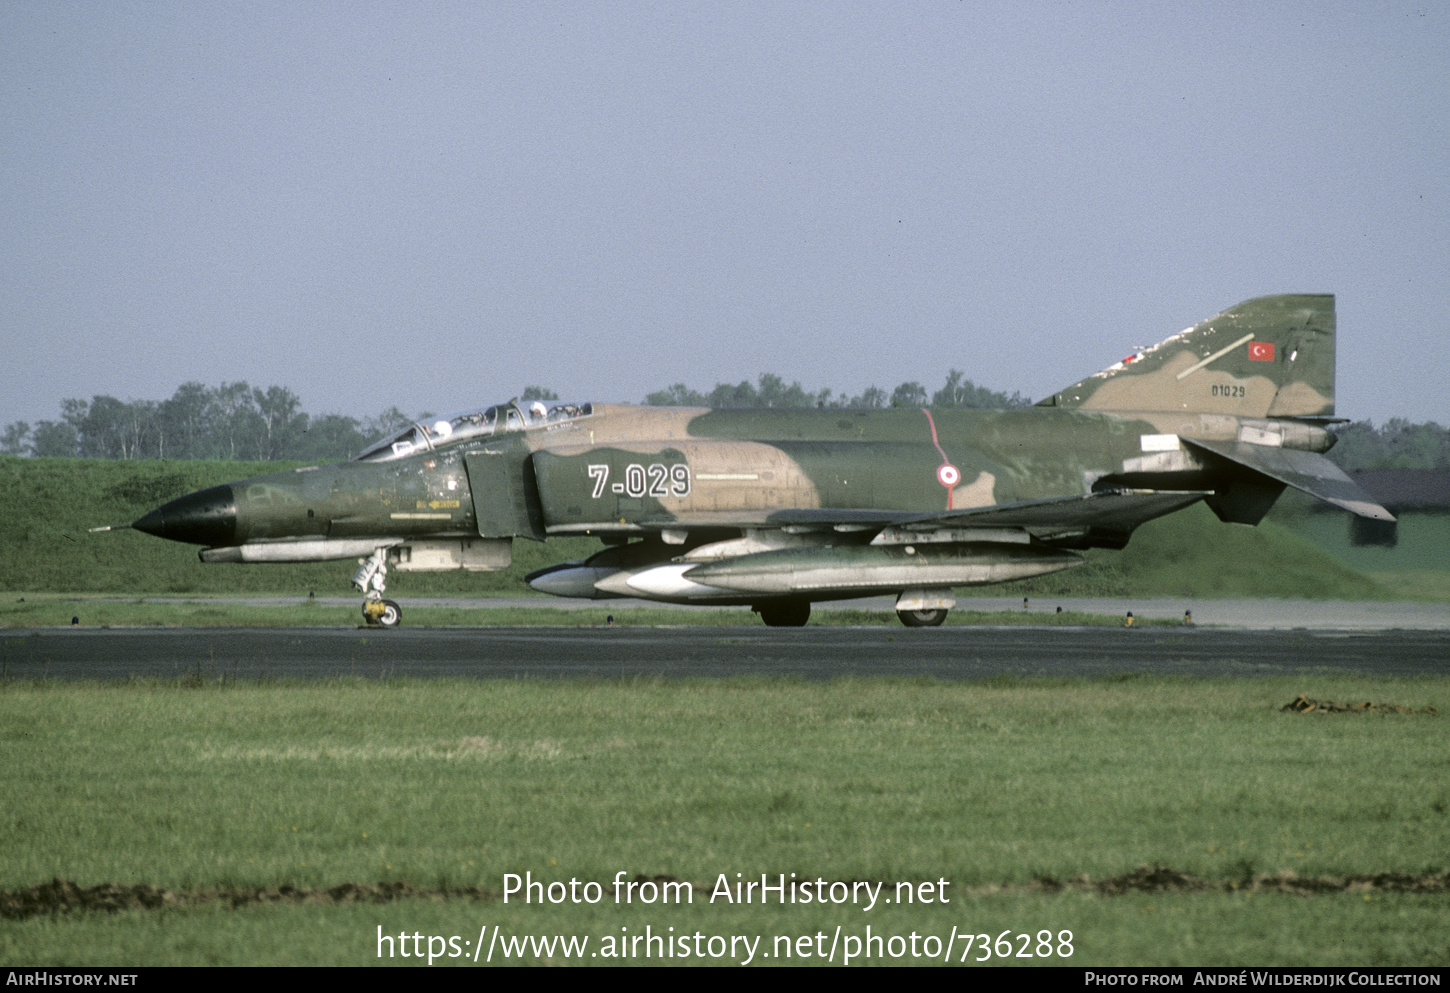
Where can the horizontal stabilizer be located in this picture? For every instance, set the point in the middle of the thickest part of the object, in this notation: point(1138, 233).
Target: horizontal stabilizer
point(1307, 471)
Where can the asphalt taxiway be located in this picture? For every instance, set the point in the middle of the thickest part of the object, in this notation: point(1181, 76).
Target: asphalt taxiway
point(966, 652)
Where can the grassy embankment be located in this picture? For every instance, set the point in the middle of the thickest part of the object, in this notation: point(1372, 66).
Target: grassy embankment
point(991, 786)
point(45, 548)
point(1416, 568)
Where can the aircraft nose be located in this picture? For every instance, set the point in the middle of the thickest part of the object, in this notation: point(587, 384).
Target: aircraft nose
point(206, 517)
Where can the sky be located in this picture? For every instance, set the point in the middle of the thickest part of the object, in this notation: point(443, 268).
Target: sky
point(434, 205)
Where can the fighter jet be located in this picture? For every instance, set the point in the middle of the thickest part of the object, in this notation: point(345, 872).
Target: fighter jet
point(779, 508)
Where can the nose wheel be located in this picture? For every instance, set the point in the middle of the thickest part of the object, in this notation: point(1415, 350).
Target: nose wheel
point(382, 613)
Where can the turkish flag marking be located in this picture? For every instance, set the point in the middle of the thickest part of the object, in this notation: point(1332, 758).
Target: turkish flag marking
point(1261, 351)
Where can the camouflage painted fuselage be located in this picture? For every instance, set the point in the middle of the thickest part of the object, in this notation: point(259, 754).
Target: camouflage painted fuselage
point(637, 470)
point(753, 506)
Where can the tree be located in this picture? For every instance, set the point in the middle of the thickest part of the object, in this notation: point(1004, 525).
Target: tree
point(281, 421)
point(100, 425)
point(909, 395)
point(231, 417)
point(386, 423)
point(538, 393)
point(329, 438)
point(229, 421)
point(678, 395)
point(137, 429)
point(959, 392)
point(1398, 444)
point(16, 439)
point(55, 439)
point(740, 395)
point(872, 398)
point(182, 429)
point(772, 391)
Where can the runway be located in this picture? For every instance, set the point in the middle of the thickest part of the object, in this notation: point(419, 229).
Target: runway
point(816, 653)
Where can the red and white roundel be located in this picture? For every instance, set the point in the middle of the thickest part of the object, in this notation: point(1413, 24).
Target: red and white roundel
point(949, 475)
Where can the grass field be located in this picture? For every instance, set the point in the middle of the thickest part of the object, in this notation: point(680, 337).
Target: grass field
point(994, 787)
point(264, 823)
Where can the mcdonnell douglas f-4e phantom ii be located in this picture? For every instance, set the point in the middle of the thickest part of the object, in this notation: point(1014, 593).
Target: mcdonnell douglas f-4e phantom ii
point(778, 508)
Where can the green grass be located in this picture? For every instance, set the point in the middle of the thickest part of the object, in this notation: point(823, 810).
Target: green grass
point(1139, 929)
point(1416, 568)
point(1427, 584)
point(50, 504)
point(54, 610)
point(1422, 539)
point(451, 783)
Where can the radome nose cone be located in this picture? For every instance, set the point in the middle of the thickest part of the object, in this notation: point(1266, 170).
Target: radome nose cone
point(206, 517)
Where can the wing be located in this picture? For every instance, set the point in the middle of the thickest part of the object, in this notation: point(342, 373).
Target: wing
point(1109, 517)
point(1117, 510)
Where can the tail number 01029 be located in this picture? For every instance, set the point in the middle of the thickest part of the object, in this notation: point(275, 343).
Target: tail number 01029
point(656, 480)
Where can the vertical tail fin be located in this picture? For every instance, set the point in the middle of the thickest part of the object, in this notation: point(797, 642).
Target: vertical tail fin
point(1267, 357)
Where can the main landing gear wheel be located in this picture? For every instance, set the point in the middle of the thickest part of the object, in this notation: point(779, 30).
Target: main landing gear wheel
point(922, 618)
point(382, 613)
point(785, 614)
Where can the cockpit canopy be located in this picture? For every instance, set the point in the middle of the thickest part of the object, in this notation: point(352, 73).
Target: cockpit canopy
point(515, 415)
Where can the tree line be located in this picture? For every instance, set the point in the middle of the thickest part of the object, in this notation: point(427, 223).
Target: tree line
point(1395, 444)
point(772, 391)
point(231, 421)
point(240, 422)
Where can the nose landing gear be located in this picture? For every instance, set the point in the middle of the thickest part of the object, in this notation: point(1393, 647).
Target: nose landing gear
point(371, 579)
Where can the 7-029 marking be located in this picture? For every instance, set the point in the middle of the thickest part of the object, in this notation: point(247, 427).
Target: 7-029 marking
point(658, 480)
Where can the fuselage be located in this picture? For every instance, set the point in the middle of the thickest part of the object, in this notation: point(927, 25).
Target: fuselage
point(622, 469)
